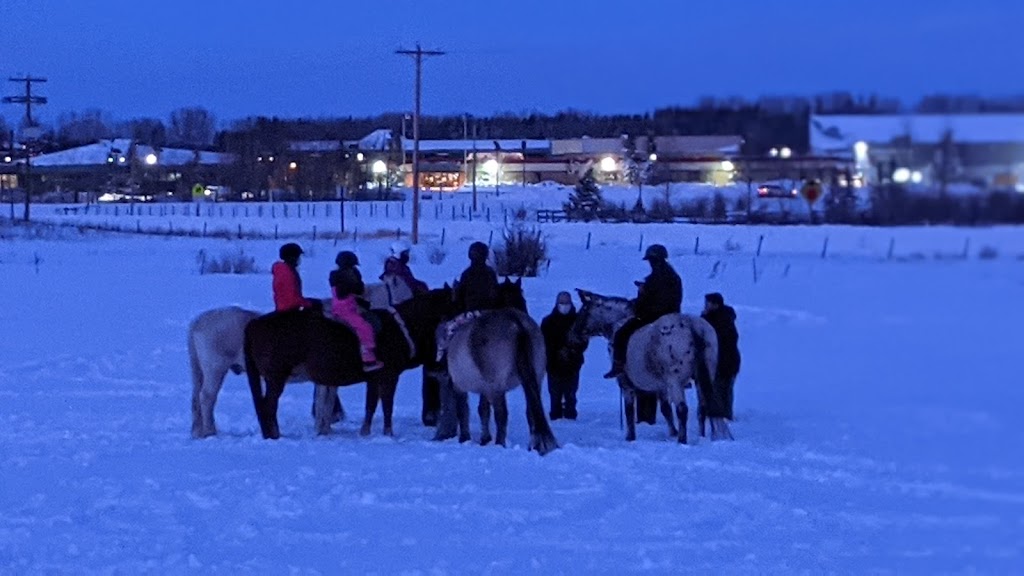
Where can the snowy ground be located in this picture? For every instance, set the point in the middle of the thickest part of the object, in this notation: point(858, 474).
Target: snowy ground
point(878, 421)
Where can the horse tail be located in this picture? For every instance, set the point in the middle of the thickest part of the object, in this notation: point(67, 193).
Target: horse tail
point(197, 379)
point(707, 342)
point(252, 372)
point(708, 385)
point(541, 437)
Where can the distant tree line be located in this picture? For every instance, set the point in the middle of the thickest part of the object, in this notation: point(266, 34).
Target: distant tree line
point(767, 122)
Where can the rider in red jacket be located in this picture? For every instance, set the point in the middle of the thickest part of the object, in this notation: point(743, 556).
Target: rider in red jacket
point(287, 283)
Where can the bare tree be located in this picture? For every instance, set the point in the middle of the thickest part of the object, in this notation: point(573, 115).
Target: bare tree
point(145, 130)
point(191, 127)
point(83, 127)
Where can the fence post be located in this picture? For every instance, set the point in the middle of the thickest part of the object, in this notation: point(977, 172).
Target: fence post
point(275, 231)
point(453, 212)
point(696, 245)
point(892, 247)
point(753, 261)
point(824, 248)
point(641, 247)
point(760, 241)
point(488, 213)
point(239, 231)
point(443, 233)
point(387, 210)
point(588, 240)
point(490, 238)
point(204, 229)
point(967, 247)
point(314, 233)
point(138, 226)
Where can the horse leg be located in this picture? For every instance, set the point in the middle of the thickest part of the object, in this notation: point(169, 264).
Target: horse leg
point(372, 397)
point(388, 384)
point(484, 410)
point(630, 399)
point(275, 386)
point(501, 420)
point(213, 380)
point(447, 417)
point(431, 399)
point(666, 412)
point(322, 398)
point(702, 414)
point(681, 411)
point(462, 413)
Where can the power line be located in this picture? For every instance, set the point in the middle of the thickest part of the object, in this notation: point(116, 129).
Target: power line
point(418, 54)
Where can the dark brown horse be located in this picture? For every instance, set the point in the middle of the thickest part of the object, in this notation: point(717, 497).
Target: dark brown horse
point(278, 342)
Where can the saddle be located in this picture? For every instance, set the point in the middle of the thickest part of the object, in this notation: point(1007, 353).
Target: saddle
point(450, 328)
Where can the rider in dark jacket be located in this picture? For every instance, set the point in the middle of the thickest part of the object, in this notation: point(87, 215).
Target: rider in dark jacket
point(478, 285)
point(661, 293)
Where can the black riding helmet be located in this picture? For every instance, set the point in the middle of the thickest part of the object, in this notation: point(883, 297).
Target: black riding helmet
point(290, 252)
point(478, 252)
point(346, 259)
point(656, 252)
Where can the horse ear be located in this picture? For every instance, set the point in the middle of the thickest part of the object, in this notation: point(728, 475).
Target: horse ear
point(446, 286)
point(584, 295)
point(519, 282)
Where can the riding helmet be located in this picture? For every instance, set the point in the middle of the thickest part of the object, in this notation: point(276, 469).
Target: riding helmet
point(478, 252)
point(656, 252)
point(346, 259)
point(399, 246)
point(290, 252)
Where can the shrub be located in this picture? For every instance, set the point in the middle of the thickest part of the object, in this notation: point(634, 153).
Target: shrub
point(437, 255)
point(988, 253)
point(522, 254)
point(227, 263)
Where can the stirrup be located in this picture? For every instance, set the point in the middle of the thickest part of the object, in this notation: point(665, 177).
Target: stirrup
point(372, 366)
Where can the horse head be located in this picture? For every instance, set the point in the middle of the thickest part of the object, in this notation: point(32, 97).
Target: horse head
point(510, 294)
point(599, 315)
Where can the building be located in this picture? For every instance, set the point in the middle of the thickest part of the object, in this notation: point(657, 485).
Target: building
point(450, 164)
point(123, 168)
point(931, 149)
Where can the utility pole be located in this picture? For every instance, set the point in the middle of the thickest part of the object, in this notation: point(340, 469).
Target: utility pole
point(418, 55)
point(28, 100)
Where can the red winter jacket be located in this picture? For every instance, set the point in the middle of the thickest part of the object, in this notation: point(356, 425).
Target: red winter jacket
point(287, 288)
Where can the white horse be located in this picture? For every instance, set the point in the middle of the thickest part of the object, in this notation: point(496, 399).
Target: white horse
point(215, 342)
point(661, 358)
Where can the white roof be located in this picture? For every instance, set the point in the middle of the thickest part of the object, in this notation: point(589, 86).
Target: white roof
point(98, 153)
point(480, 145)
point(840, 132)
point(378, 140)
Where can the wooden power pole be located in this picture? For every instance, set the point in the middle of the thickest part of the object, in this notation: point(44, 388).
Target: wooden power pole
point(28, 100)
point(418, 54)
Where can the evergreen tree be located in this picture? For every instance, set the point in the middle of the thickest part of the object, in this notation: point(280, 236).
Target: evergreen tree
point(585, 203)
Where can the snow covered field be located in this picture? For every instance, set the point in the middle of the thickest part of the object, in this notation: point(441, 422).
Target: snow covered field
point(878, 419)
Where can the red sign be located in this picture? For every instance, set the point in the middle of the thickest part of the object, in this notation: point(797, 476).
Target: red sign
point(811, 191)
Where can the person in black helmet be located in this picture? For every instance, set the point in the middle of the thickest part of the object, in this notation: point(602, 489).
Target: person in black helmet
point(478, 285)
point(660, 293)
point(346, 289)
point(477, 291)
point(287, 284)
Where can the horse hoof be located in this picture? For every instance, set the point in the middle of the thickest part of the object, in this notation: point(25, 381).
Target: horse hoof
point(364, 431)
point(464, 438)
point(630, 437)
point(430, 419)
point(485, 440)
point(544, 446)
point(389, 431)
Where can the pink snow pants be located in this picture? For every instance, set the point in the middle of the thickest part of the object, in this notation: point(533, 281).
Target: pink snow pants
point(347, 310)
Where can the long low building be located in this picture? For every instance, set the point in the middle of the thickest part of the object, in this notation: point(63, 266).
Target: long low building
point(984, 149)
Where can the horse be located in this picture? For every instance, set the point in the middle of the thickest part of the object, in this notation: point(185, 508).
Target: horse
point(661, 358)
point(277, 343)
point(215, 340)
point(491, 355)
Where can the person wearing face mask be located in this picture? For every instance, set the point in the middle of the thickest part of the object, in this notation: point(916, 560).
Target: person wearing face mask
point(564, 359)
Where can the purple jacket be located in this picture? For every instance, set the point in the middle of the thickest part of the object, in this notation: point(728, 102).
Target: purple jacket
point(396, 267)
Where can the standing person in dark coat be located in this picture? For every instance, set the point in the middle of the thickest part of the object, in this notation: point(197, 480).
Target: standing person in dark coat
point(564, 360)
point(723, 319)
point(661, 293)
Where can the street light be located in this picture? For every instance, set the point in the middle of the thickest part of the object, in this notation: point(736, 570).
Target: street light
point(608, 164)
point(653, 157)
point(861, 149)
point(785, 152)
point(728, 166)
point(151, 159)
point(379, 168)
point(359, 157)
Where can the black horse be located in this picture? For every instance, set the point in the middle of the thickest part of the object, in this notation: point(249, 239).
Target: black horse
point(278, 342)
